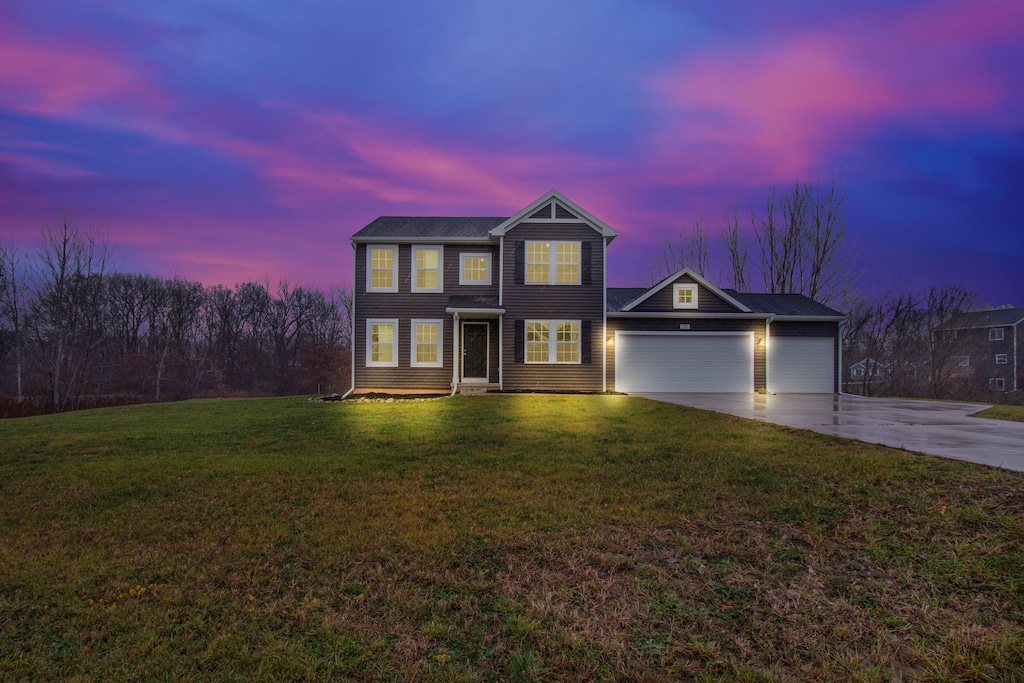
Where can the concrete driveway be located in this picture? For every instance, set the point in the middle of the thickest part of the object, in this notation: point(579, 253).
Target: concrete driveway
point(942, 429)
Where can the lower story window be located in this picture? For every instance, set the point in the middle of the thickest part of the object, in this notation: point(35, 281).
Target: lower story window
point(426, 344)
point(997, 383)
point(553, 341)
point(381, 343)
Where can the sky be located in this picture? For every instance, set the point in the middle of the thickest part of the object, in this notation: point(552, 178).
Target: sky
point(238, 140)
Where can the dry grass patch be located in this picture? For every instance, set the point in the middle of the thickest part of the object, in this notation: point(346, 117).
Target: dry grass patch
point(495, 538)
point(1003, 412)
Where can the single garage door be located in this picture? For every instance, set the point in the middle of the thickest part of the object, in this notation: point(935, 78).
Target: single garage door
point(681, 362)
point(801, 365)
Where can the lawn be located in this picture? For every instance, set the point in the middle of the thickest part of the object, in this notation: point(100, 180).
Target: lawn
point(1003, 412)
point(521, 538)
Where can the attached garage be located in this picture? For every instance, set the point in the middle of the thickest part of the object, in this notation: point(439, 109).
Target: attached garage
point(684, 362)
point(801, 365)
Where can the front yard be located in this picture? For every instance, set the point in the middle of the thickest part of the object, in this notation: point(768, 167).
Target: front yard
point(495, 538)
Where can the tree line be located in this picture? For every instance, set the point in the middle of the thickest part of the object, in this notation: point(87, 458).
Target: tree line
point(76, 333)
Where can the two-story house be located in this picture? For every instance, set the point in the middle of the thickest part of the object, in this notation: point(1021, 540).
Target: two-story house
point(985, 348)
point(521, 303)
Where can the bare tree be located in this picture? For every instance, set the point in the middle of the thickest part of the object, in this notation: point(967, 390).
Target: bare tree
point(737, 250)
point(12, 308)
point(68, 280)
point(943, 305)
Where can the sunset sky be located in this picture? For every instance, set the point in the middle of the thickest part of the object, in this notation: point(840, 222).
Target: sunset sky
point(232, 140)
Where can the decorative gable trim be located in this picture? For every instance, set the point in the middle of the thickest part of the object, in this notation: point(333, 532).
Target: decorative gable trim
point(554, 207)
point(696, 278)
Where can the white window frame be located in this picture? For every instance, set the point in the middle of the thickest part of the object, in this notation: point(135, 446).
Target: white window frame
point(552, 278)
point(997, 383)
point(413, 362)
point(393, 248)
point(416, 249)
point(960, 361)
point(677, 288)
point(1002, 359)
point(370, 322)
point(553, 343)
point(463, 280)
point(996, 334)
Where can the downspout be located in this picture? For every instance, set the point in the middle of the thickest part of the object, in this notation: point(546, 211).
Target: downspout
point(767, 338)
point(501, 317)
point(839, 369)
point(352, 327)
point(455, 353)
point(604, 315)
point(1016, 369)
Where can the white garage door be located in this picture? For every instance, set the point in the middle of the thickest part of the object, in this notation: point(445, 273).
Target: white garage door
point(684, 362)
point(801, 365)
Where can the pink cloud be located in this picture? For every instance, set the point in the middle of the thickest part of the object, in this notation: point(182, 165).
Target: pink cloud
point(57, 79)
point(760, 115)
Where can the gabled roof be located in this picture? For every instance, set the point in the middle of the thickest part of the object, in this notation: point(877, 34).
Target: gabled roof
point(996, 317)
point(567, 204)
point(428, 228)
point(784, 304)
point(620, 296)
point(696, 278)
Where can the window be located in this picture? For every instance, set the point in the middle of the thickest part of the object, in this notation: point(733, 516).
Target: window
point(381, 264)
point(996, 334)
point(381, 347)
point(1001, 359)
point(997, 383)
point(857, 372)
point(427, 269)
point(475, 269)
point(553, 262)
point(684, 296)
point(960, 361)
point(561, 347)
point(426, 344)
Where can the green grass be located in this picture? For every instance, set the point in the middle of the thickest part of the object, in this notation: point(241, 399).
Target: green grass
point(1003, 412)
point(520, 538)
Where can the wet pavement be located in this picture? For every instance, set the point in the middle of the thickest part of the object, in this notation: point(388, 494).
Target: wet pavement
point(935, 428)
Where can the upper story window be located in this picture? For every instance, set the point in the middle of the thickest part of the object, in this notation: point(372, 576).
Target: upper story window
point(684, 296)
point(474, 269)
point(427, 264)
point(996, 334)
point(381, 268)
point(553, 263)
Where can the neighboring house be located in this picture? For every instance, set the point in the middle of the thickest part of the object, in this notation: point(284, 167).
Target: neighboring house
point(988, 342)
point(869, 369)
point(520, 303)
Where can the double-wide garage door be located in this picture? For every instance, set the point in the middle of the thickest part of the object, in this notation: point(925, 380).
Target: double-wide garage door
point(684, 362)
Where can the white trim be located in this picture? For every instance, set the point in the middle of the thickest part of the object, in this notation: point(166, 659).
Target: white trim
point(394, 267)
point(463, 255)
point(997, 383)
point(1005, 359)
point(456, 358)
point(693, 276)
point(694, 315)
point(996, 334)
point(680, 287)
point(487, 347)
point(501, 353)
point(524, 215)
point(604, 317)
point(475, 241)
point(413, 363)
point(553, 342)
point(809, 318)
point(416, 248)
point(479, 312)
point(370, 322)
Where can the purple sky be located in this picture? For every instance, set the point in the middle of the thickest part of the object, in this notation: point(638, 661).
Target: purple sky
point(231, 140)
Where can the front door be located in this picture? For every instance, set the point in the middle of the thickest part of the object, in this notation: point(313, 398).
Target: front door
point(474, 351)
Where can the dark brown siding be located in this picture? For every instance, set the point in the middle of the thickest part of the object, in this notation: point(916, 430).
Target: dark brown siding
point(695, 325)
point(553, 302)
point(406, 305)
point(813, 329)
point(707, 301)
